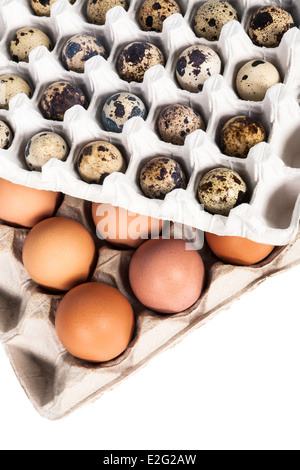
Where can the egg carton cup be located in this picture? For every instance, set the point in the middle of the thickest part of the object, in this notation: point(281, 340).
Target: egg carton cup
point(55, 382)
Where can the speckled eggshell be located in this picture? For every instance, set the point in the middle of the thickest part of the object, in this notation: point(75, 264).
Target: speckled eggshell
point(6, 136)
point(161, 175)
point(153, 13)
point(119, 108)
point(80, 48)
point(255, 78)
point(211, 17)
point(195, 65)
point(59, 97)
point(136, 58)
point(25, 40)
point(10, 86)
point(177, 121)
point(44, 146)
point(220, 190)
point(43, 7)
point(96, 9)
point(239, 134)
point(99, 159)
point(268, 24)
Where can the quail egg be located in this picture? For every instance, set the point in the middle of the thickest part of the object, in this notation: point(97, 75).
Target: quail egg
point(99, 159)
point(268, 25)
point(255, 78)
point(176, 121)
point(119, 108)
point(80, 48)
point(10, 86)
point(211, 17)
point(136, 58)
point(43, 7)
point(161, 175)
point(44, 146)
point(220, 190)
point(59, 97)
point(153, 13)
point(195, 65)
point(6, 135)
point(96, 9)
point(239, 134)
point(25, 40)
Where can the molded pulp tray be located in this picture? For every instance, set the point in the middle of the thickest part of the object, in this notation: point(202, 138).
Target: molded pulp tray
point(55, 382)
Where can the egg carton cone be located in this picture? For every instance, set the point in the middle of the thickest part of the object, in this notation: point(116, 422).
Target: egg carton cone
point(55, 382)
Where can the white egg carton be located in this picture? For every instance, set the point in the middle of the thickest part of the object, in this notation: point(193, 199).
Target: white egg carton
point(55, 382)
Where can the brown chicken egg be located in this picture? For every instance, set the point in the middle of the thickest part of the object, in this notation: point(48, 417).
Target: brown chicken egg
point(95, 322)
point(237, 250)
point(22, 206)
point(124, 228)
point(59, 253)
point(166, 276)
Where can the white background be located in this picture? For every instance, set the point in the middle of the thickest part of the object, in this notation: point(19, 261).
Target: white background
point(234, 384)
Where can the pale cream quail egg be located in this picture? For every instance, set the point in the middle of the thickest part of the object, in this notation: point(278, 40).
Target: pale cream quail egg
point(44, 146)
point(10, 86)
point(6, 135)
point(25, 40)
point(176, 121)
point(96, 9)
point(211, 17)
point(80, 48)
point(99, 159)
point(255, 78)
point(43, 7)
point(153, 13)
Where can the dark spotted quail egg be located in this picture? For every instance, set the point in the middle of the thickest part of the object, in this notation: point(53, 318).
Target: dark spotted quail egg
point(161, 175)
point(80, 48)
point(195, 65)
point(136, 58)
point(211, 17)
point(268, 24)
point(59, 97)
point(96, 9)
point(239, 134)
point(220, 190)
point(6, 135)
point(99, 159)
point(43, 7)
point(177, 121)
point(119, 108)
point(10, 86)
point(44, 146)
point(25, 40)
point(153, 13)
point(255, 78)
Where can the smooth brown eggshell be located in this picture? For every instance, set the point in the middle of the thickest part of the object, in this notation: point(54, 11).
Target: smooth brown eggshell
point(165, 276)
point(95, 322)
point(124, 228)
point(59, 253)
point(22, 206)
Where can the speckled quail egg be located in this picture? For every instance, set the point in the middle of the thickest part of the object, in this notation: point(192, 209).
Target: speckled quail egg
point(220, 190)
point(96, 9)
point(268, 24)
point(255, 78)
point(6, 135)
point(153, 13)
point(25, 40)
point(211, 17)
point(239, 134)
point(80, 48)
point(10, 86)
point(136, 58)
point(176, 121)
point(119, 108)
point(44, 146)
point(43, 7)
point(195, 65)
point(161, 175)
point(99, 159)
point(59, 97)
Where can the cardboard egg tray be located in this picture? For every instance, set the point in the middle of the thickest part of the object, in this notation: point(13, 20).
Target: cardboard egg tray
point(55, 382)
